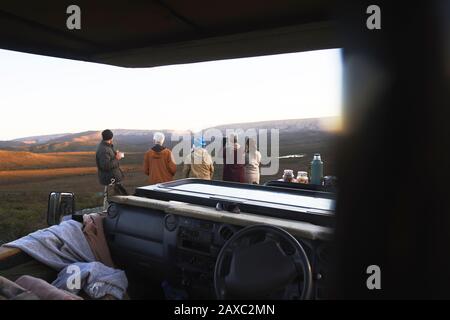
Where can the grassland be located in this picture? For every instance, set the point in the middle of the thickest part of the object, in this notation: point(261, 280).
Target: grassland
point(26, 179)
point(16, 160)
point(29, 178)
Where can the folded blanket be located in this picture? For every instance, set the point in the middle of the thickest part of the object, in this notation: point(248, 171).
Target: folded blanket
point(56, 246)
point(96, 279)
point(63, 245)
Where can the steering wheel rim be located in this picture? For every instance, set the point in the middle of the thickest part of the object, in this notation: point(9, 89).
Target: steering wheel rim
point(299, 258)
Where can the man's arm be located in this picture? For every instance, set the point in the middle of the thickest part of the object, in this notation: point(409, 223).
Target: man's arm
point(146, 165)
point(211, 169)
point(211, 165)
point(186, 170)
point(171, 166)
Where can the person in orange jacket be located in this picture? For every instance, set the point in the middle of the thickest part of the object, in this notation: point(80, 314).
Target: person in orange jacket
point(159, 163)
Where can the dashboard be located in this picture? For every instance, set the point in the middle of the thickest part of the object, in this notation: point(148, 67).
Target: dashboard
point(183, 250)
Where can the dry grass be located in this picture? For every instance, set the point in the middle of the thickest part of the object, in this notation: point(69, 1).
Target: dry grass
point(19, 160)
point(27, 176)
point(23, 199)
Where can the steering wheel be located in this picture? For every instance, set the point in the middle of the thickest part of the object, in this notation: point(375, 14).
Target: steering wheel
point(260, 261)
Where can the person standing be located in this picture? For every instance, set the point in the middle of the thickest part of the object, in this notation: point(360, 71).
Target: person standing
point(108, 166)
point(252, 162)
point(159, 163)
point(198, 164)
point(233, 161)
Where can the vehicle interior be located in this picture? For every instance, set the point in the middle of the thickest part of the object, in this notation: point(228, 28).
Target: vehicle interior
point(319, 245)
point(174, 232)
point(213, 253)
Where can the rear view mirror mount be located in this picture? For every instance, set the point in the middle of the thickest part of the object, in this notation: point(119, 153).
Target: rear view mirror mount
point(60, 204)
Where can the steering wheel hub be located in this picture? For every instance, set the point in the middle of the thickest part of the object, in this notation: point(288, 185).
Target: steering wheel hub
point(259, 261)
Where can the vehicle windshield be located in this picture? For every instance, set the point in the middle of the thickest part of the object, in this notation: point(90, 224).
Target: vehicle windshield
point(249, 194)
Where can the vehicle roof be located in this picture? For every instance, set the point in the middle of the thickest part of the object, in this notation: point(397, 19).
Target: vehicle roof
point(161, 32)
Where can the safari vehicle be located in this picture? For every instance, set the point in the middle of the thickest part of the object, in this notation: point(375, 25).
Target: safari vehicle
point(388, 210)
point(277, 245)
point(210, 239)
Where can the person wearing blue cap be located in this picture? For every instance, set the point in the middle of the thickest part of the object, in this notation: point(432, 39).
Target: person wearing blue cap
point(198, 164)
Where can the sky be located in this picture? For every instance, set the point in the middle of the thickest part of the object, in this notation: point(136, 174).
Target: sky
point(44, 95)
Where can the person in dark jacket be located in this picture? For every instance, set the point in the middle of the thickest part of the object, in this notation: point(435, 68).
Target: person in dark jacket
point(233, 161)
point(107, 160)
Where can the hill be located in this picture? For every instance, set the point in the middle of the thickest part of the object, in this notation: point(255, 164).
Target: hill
point(308, 130)
point(328, 124)
point(40, 139)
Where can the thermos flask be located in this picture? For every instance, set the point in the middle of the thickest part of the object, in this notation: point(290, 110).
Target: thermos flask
point(316, 170)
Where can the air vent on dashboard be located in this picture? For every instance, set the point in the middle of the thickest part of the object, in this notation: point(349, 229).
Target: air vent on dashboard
point(112, 211)
point(226, 232)
point(325, 254)
point(171, 222)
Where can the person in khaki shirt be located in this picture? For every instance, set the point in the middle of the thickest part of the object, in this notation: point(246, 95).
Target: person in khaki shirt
point(252, 162)
point(198, 164)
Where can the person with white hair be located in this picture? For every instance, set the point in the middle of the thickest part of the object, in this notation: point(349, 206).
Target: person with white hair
point(198, 164)
point(159, 163)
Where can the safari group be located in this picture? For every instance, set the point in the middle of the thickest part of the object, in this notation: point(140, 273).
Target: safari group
point(160, 166)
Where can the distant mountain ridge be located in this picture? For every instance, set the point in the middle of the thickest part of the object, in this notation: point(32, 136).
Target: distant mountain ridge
point(311, 124)
point(131, 140)
point(40, 139)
